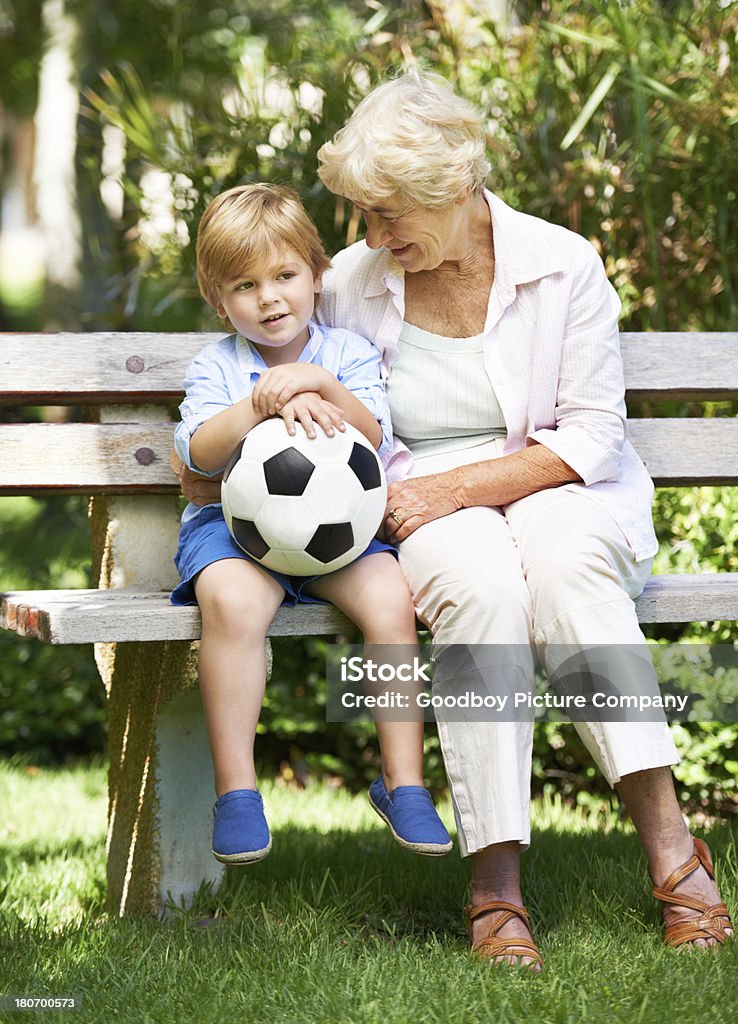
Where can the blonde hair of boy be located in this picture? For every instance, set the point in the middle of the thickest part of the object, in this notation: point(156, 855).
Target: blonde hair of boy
point(244, 226)
point(412, 140)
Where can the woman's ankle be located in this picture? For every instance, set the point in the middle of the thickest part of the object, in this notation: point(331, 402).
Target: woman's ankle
point(673, 851)
point(496, 874)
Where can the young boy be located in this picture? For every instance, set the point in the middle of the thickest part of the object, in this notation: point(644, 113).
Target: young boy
point(260, 264)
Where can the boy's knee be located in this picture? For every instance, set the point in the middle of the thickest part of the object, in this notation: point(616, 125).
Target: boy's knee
point(229, 610)
point(397, 609)
point(389, 614)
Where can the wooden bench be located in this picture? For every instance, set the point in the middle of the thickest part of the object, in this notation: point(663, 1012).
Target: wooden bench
point(160, 790)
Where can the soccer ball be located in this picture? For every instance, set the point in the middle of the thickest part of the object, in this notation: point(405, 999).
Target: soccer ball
point(303, 506)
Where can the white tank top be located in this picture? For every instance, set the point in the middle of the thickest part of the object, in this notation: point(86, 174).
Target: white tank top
point(439, 393)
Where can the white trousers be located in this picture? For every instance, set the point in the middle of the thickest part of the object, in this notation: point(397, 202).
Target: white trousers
point(551, 569)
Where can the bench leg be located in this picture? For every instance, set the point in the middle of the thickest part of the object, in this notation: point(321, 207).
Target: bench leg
point(184, 783)
point(161, 781)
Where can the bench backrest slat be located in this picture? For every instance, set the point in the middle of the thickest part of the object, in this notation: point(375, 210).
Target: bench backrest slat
point(87, 369)
point(67, 369)
point(90, 458)
point(681, 365)
point(687, 451)
point(86, 458)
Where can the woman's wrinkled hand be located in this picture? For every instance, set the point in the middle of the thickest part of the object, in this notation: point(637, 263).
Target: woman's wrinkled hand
point(200, 490)
point(414, 502)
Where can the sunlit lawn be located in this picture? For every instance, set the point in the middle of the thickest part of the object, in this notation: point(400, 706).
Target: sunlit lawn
point(339, 924)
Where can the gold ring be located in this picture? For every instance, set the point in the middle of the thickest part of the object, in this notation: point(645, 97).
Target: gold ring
point(393, 515)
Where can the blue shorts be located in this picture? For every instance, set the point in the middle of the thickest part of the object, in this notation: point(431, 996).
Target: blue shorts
point(205, 539)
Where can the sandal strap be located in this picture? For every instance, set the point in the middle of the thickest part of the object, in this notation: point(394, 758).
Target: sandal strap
point(679, 899)
point(702, 852)
point(492, 947)
point(680, 873)
point(709, 926)
point(512, 909)
point(700, 858)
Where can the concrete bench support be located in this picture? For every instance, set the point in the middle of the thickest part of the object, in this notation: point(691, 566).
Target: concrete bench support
point(160, 784)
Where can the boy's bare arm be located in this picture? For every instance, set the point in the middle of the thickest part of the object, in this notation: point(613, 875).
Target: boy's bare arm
point(212, 443)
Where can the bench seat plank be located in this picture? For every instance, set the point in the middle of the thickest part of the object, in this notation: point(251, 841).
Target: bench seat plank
point(118, 616)
point(689, 597)
point(124, 458)
point(91, 616)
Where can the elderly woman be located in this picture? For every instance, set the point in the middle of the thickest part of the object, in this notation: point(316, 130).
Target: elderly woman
point(520, 509)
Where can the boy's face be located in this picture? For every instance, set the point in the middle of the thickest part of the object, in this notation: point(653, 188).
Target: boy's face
point(272, 304)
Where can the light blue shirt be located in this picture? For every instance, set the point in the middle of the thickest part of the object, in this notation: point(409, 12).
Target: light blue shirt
point(226, 372)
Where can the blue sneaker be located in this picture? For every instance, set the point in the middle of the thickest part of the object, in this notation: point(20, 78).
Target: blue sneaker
point(240, 831)
point(412, 818)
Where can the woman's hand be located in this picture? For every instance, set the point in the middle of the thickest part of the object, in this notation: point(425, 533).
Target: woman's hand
point(276, 386)
point(308, 408)
point(201, 490)
point(414, 502)
point(492, 483)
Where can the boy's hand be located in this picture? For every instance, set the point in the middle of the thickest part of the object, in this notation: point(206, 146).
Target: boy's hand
point(279, 384)
point(308, 408)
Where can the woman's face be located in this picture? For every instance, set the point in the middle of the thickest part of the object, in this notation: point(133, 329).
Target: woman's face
point(419, 238)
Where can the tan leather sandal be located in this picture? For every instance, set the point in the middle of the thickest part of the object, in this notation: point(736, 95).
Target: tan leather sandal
point(708, 925)
point(494, 945)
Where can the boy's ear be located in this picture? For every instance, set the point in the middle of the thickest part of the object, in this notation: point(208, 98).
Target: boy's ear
point(318, 284)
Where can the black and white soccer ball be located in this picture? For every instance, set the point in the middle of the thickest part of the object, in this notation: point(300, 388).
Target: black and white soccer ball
point(303, 506)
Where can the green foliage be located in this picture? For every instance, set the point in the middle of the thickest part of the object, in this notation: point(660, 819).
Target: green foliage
point(251, 93)
point(617, 125)
point(708, 773)
point(52, 703)
point(615, 120)
point(697, 530)
point(21, 46)
point(45, 543)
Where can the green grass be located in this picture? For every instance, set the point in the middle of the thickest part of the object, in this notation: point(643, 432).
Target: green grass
point(339, 925)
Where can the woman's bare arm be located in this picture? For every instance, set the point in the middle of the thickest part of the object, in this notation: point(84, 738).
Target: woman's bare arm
point(500, 481)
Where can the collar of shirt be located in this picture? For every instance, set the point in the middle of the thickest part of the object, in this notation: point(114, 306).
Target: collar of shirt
point(523, 253)
point(251, 361)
